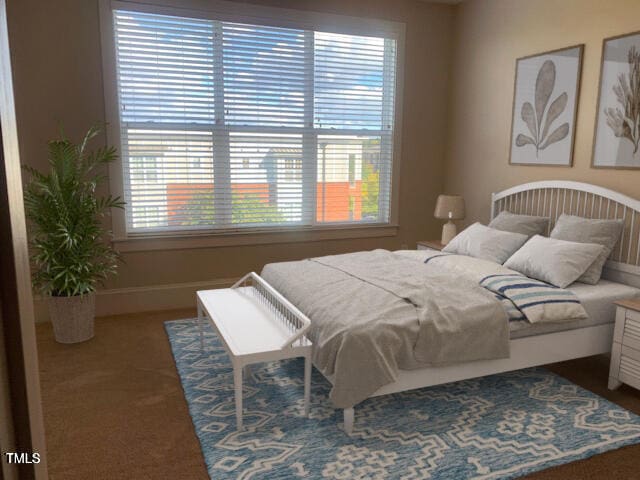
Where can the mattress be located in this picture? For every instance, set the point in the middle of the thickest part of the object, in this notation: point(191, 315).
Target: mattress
point(597, 300)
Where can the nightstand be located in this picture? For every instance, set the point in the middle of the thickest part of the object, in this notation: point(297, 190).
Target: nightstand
point(430, 244)
point(625, 352)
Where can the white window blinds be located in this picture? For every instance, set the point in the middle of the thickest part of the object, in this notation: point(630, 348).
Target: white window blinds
point(227, 125)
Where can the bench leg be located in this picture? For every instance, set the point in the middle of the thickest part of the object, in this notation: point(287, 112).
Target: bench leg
point(237, 383)
point(200, 326)
point(349, 415)
point(307, 384)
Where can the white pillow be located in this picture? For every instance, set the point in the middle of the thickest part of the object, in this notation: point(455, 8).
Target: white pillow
point(529, 225)
point(480, 241)
point(554, 261)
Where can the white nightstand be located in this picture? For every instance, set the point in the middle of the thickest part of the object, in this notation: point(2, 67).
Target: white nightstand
point(625, 352)
point(430, 244)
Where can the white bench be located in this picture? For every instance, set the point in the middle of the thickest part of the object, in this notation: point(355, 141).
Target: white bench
point(255, 324)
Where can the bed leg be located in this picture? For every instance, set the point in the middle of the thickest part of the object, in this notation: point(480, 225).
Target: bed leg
point(348, 420)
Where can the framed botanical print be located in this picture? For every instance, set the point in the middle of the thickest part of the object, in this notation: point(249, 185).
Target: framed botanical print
point(545, 100)
point(617, 132)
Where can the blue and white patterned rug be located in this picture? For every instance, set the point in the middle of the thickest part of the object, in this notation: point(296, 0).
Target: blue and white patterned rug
point(502, 426)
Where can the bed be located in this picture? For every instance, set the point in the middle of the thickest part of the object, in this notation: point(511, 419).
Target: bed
point(528, 344)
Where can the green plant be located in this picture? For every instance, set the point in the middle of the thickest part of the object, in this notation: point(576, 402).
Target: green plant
point(370, 190)
point(69, 252)
point(246, 208)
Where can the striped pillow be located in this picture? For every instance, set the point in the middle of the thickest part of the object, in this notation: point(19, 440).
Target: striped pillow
point(513, 314)
point(538, 301)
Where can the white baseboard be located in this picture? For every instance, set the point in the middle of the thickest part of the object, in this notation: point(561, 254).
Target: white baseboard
point(118, 301)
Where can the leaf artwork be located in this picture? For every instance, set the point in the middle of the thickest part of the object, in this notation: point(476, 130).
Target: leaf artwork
point(540, 137)
point(626, 124)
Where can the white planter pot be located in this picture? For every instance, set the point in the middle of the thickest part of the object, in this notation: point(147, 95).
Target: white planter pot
point(72, 317)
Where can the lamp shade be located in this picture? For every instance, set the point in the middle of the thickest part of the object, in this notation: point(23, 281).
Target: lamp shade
point(449, 206)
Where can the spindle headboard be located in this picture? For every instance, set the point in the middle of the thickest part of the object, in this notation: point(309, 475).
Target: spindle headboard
point(553, 197)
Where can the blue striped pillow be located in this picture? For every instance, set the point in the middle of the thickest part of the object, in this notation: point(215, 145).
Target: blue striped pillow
point(513, 314)
point(536, 300)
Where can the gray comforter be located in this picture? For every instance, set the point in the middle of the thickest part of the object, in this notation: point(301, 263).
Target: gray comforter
point(374, 313)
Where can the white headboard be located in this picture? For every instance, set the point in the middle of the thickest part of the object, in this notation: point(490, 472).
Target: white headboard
point(553, 197)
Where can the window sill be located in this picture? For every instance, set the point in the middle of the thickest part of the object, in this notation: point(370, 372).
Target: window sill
point(253, 237)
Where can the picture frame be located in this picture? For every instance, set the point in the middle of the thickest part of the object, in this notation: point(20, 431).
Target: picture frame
point(616, 138)
point(545, 107)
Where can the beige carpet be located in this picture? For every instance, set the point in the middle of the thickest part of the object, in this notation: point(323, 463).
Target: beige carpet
point(114, 407)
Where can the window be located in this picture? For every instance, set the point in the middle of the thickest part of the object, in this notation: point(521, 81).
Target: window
point(231, 125)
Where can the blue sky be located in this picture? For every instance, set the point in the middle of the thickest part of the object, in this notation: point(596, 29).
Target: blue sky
point(264, 73)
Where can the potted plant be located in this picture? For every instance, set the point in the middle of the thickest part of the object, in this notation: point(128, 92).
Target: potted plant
point(70, 250)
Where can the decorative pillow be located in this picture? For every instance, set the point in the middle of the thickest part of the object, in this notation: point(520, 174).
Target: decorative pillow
point(537, 301)
point(557, 262)
point(480, 241)
point(528, 225)
point(587, 230)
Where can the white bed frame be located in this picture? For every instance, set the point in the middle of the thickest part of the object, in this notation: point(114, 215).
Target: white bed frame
point(550, 199)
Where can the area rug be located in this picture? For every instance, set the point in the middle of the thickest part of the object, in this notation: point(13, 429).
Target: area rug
point(497, 427)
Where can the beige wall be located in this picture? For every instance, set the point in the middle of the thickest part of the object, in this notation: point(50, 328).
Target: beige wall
point(488, 37)
point(58, 82)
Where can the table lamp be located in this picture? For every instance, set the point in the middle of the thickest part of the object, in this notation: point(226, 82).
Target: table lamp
point(449, 207)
